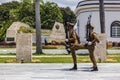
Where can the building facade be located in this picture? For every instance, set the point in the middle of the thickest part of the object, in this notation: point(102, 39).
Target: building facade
point(112, 18)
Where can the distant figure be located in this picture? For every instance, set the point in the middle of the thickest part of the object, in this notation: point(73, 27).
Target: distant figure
point(45, 40)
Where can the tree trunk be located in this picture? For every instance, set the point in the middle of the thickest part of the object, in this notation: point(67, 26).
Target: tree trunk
point(102, 15)
point(38, 27)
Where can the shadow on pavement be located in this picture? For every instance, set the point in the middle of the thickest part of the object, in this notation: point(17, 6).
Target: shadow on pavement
point(83, 69)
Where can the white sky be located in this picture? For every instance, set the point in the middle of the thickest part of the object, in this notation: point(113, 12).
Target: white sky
point(62, 3)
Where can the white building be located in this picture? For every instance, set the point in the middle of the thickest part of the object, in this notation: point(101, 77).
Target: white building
point(112, 18)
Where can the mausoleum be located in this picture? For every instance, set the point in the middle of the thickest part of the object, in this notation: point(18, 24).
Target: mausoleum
point(112, 18)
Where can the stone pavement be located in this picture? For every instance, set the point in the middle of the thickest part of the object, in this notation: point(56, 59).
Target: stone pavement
point(60, 51)
point(59, 71)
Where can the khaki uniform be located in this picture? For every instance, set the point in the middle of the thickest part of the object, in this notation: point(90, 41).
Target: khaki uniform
point(73, 40)
point(91, 47)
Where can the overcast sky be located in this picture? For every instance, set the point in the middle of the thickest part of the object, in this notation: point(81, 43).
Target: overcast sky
point(62, 3)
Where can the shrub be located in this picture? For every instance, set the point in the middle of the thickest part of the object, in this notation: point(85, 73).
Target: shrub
point(7, 44)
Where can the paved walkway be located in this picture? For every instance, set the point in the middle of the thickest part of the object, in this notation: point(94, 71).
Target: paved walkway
point(53, 71)
point(60, 51)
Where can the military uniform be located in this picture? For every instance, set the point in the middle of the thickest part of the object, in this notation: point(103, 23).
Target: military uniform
point(90, 45)
point(72, 40)
point(92, 39)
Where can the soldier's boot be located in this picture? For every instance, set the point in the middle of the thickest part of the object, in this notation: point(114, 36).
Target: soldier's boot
point(74, 67)
point(94, 69)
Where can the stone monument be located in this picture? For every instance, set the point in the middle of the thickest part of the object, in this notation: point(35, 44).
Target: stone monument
point(24, 47)
point(100, 48)
point(13, 30)
point(58, 32)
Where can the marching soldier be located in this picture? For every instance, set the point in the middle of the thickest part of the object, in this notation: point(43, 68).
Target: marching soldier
point(90, 44)
point(74, 44)
point(72, 40)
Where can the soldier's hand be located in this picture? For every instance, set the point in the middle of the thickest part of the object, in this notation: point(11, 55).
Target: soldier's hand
point(86, 42)
point(89, 43)
point(66, 40)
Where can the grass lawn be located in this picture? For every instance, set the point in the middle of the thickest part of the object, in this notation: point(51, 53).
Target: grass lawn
point(58, 59)
point(51, 47)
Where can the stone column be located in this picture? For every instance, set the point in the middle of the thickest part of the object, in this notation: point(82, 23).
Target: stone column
point(100, 48)
point(24, 47)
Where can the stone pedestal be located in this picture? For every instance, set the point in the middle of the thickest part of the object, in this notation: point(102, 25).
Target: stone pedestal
point(100, 48)
point(58, 32)
point(24, 47)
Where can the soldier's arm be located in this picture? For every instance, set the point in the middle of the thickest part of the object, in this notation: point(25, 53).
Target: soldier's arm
point(73, 38)
point(95, 38)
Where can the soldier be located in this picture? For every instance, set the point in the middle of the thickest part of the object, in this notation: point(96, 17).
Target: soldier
point(72, 40)
point(90, 44)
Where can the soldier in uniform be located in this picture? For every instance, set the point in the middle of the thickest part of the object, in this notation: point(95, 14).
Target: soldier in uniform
point(72, 40)
point(90, 44)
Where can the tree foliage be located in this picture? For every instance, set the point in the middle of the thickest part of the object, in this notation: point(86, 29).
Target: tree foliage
point(5, 10)
point(5, 20)
point(50, 13)
point(24, 11)
point(68, 15)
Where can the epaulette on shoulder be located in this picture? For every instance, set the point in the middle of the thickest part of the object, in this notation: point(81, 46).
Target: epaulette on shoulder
point(94, 33)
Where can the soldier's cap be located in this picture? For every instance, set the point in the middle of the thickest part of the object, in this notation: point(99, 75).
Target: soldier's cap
point(70, 24)
point(92, 27)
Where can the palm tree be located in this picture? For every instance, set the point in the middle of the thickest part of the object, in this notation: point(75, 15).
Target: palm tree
point(102, 18)
point(102, 15)
point(38, 27)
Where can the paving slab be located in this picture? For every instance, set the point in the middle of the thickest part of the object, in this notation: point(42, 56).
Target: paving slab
point(59, 51)
point(59, 71)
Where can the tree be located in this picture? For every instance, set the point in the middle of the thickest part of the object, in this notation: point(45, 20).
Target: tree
point(68, 15)
point(38, 27)
point(102, 15)
point(5, 20)
point(5, 10)
point(3, 30)
point(24, 13)
point(50, 13)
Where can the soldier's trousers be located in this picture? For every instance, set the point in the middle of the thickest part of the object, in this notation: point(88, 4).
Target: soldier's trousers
point(90, 48)
point(73, 48)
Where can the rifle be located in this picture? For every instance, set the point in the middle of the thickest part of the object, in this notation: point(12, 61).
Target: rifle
point(88, 26)
point(66, 43)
